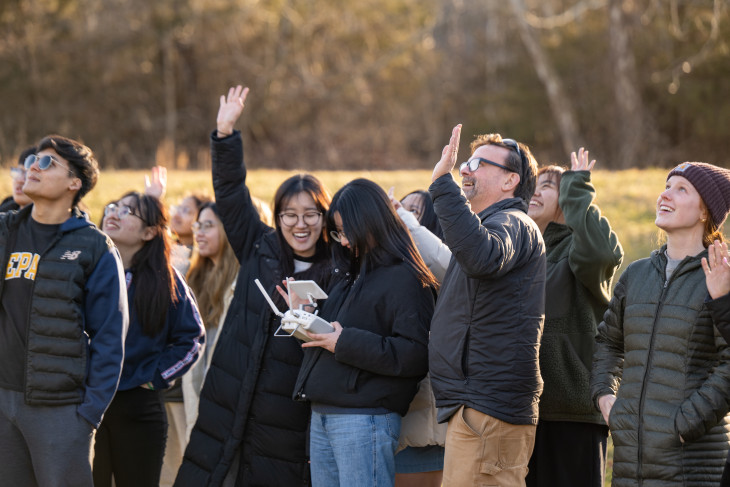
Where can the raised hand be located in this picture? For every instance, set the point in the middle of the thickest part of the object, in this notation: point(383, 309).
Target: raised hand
point(717, 269)
point(230, 109)
point(155, 184)
point(448, 155)
point(396, 204)
point(580, 162)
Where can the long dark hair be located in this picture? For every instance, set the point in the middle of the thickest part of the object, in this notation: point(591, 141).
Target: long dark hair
point(376, 234)
point(304, 183)
point(428, 218)
point(154, 277)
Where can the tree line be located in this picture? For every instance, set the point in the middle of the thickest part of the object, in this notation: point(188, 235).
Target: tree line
point(368, 84)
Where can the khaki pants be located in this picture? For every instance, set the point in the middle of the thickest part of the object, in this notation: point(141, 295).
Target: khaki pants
point(484, 451)
point(176, 443)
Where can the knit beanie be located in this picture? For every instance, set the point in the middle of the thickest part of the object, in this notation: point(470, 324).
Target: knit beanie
point(713, 185)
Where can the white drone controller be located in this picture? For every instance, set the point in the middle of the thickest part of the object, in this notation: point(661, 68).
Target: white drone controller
point(296, 322)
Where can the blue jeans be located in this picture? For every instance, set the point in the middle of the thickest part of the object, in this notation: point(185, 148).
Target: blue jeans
point(356, 450)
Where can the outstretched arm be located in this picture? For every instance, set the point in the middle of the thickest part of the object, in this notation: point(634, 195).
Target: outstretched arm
point(238, 214)
point(595, 253)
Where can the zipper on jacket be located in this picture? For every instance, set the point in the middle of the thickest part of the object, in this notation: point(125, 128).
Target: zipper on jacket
point(647, 369)
point(59, 236)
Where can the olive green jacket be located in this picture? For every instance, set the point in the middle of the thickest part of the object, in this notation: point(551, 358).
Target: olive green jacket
point(658, 350)
point(582, 257)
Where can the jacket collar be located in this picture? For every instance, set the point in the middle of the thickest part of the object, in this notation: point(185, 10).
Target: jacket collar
point(77, 219)
point(691, 262)
point(506, 204)
point(555, 233)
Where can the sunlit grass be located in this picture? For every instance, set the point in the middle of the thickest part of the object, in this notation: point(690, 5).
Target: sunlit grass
point(627, 198)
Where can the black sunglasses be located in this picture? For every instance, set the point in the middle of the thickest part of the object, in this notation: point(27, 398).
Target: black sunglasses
point(44, 162)
point(473, 164)
point(512, 144)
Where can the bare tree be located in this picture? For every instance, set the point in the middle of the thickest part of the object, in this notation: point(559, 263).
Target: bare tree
point(560, 104)
point(630, 110)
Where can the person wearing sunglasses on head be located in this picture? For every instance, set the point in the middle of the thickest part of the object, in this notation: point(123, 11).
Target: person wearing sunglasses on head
point(63, 320)
point(18, 199)
point(583, 254)
point(485, 332)
point(249, 430)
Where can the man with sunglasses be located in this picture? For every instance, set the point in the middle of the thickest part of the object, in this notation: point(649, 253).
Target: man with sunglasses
point(63, 319)
point(485, 331)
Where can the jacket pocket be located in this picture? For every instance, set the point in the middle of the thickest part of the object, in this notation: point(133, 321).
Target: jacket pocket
point(465, 355)
point(504, 446)
point(352, 380)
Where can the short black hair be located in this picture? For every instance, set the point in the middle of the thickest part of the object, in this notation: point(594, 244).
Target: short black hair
point(81, 161)
point(24, 155)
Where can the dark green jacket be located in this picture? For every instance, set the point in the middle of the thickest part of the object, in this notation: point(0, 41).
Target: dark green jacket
point(658, 351)
point(582, 257)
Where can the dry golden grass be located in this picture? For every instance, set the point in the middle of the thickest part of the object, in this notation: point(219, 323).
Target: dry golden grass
point(627, 198)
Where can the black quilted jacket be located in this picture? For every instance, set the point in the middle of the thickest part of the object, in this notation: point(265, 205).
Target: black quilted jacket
point(246, 410)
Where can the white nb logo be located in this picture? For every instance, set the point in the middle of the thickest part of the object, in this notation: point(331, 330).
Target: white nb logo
point(71, 255)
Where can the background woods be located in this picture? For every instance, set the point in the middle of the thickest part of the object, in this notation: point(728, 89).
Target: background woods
point(368, 84)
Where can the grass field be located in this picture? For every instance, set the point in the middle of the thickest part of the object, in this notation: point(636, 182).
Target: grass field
point(627, 198)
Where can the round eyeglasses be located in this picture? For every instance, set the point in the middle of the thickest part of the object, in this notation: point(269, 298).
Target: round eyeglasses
point(310, 218)
point(203, 227)
point(17, 173)
point(182, 209)
point(121, 211)
point(338, 236)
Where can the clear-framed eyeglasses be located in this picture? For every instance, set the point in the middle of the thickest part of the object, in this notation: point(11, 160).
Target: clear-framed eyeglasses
point(203, 227)
point(290, 219)
point(17, 173)
point(121, 211)
point(338, 236)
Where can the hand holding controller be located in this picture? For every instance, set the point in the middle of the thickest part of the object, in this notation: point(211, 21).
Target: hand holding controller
point(296, 322)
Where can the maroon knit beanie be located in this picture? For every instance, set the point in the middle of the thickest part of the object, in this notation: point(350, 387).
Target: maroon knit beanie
point(713, 185)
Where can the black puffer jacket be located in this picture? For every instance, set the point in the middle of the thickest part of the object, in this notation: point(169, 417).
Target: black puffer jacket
point(245, 404)
point(78, 316)
point(382, 352)
point(658, 351)
point(485, 332)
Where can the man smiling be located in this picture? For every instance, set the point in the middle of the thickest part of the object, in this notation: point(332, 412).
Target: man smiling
point(485, 332)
